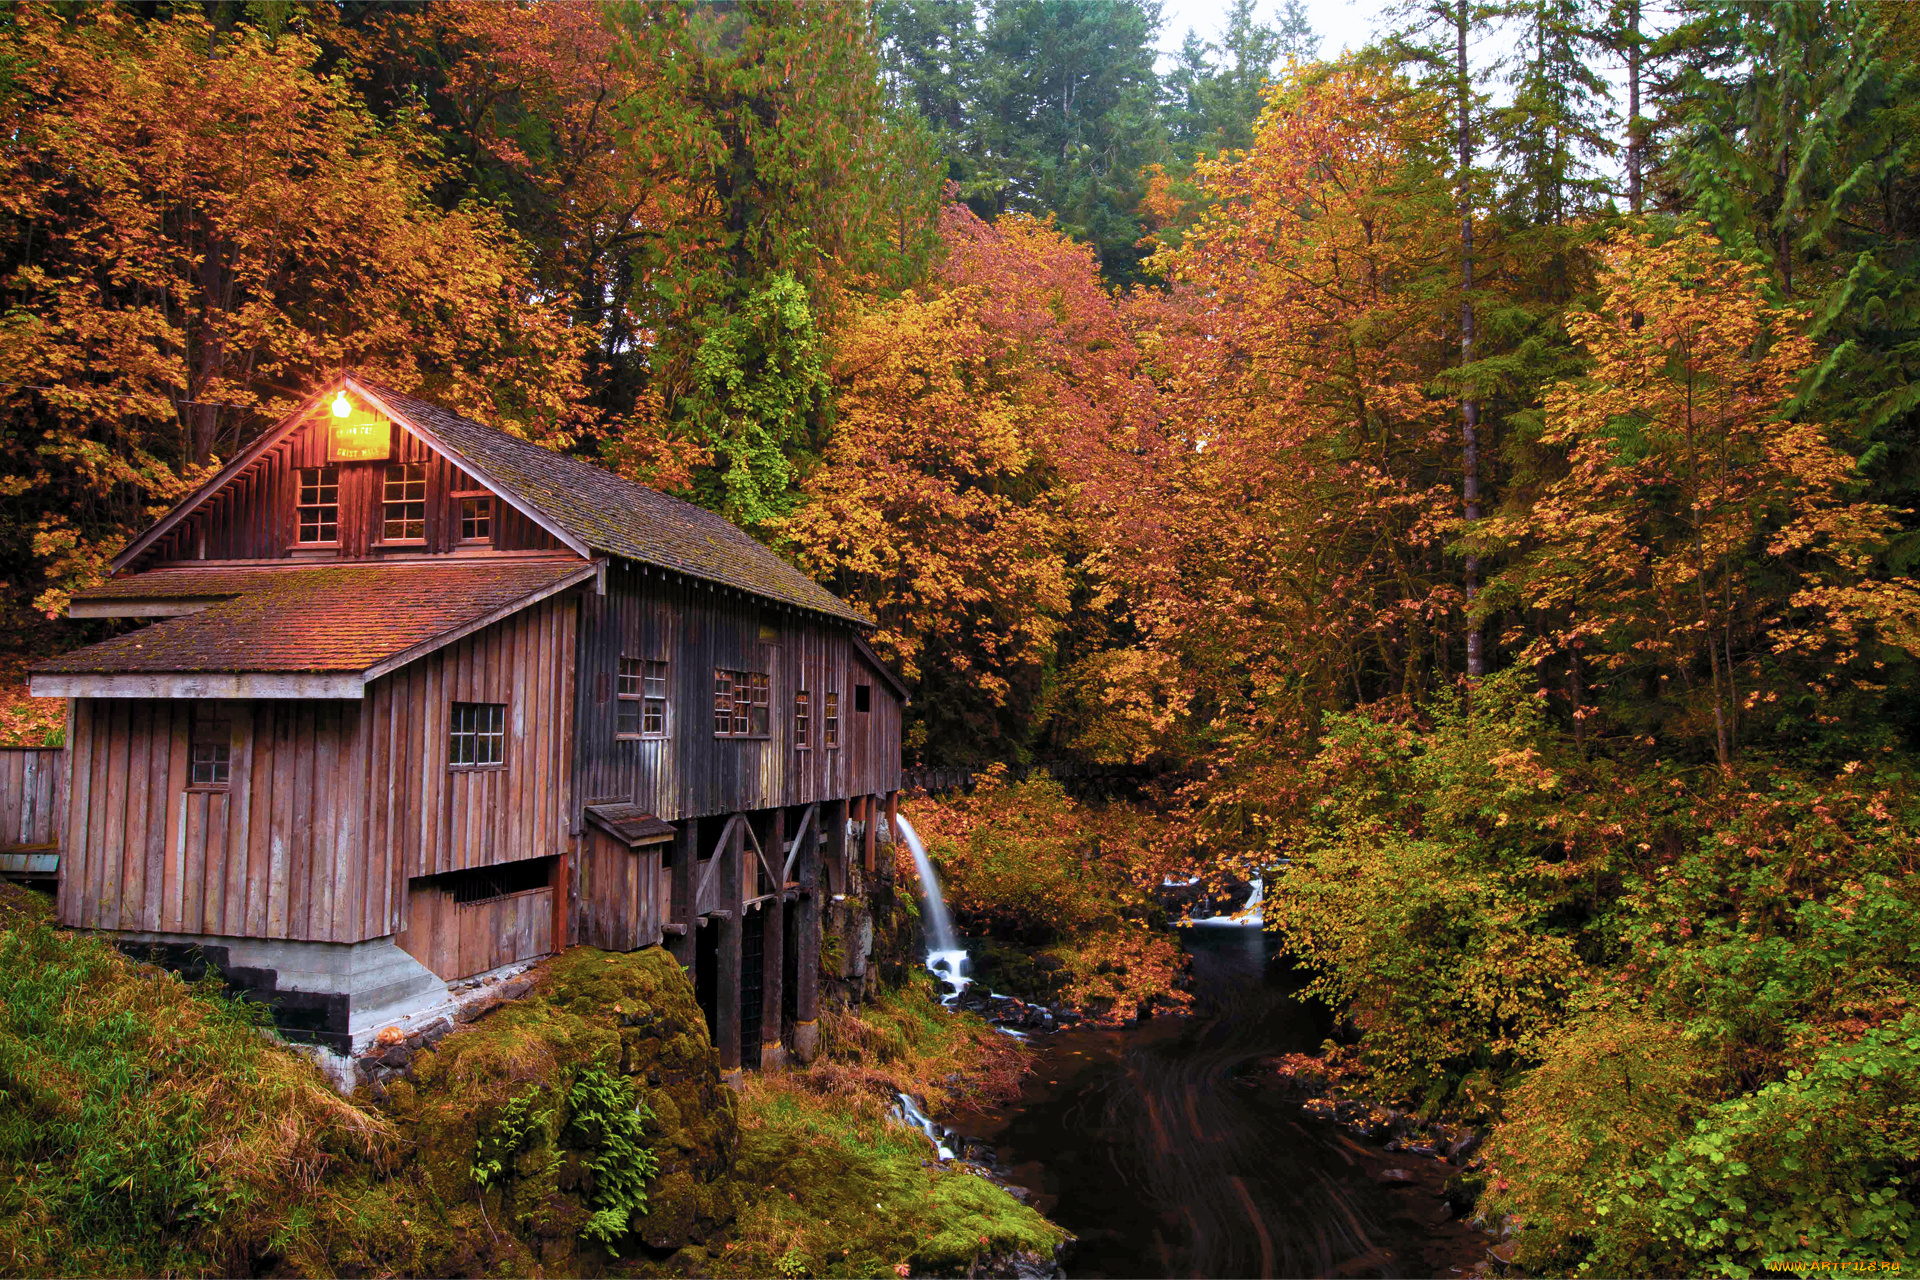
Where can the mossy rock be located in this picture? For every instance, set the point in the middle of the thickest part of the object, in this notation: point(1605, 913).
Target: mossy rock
point(506, 1078)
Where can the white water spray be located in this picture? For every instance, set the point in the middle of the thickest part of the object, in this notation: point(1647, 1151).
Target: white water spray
point(1249, 916)
point(919, 1119)
point(945, 956)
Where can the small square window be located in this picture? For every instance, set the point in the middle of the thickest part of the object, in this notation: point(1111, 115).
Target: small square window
point(642, 712)
point(210, 739)
point(477, 735)
point(476, 519)
point(404, 496)
point(740, 706)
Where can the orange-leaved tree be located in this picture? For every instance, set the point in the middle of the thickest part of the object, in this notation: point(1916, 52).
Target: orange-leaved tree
point(1702, 539)
point(195, 226)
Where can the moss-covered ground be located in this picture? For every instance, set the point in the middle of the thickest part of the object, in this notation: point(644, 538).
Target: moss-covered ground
point(835, 1186)
point(150, 1127)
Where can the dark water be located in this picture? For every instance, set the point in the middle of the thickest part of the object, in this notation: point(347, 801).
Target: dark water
point(1169, 1151)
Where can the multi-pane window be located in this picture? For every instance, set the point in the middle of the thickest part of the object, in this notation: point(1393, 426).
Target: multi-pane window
point(319, 504)
point(476, 519)
point(740, 708)
point(404, 503)
point(802, 720)
point(830, 721)
point(477, 735)
point(210, 740)
point(642, 709)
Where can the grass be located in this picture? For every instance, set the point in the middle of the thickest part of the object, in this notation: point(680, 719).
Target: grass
point(147, 1127)
point(839, 1188)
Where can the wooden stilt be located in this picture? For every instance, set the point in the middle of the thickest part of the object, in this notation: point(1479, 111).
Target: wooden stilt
point(870, 806)
point(731, 926)
point(773, 953)
point(686, 849)
point(814, 887)
point(563, 902)
point(893, 817)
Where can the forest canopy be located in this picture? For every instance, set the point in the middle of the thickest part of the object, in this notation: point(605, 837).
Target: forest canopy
point(1490, 485)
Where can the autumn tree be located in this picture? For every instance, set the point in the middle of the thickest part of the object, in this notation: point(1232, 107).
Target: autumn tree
point(1702, 539)
point(198, 225)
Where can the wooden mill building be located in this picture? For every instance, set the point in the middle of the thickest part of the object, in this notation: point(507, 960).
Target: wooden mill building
point(419, 699)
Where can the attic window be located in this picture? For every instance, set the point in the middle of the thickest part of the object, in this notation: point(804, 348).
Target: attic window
point(405, 503)
point(476, 519)
point(863, 697)
point(319, 506)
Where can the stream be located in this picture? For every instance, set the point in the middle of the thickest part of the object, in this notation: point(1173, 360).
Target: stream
point(1169, 1152)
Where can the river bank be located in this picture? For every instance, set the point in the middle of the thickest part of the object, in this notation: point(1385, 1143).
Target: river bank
point(1171, 1147)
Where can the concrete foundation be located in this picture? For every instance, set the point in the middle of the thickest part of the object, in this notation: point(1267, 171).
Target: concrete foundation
point(327, 993)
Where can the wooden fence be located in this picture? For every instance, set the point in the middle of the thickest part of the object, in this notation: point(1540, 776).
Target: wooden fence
point(33, 792)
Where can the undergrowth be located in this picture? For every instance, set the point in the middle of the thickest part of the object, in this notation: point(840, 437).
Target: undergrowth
point(840, 1187)
point(147, 1127)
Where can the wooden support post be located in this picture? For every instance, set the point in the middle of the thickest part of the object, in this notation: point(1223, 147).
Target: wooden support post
point(806, 919)
point(893, 817)
point(773, 952)
point(727, 971)
point(833, 878)
point(563, 899)
point(686, 849)
point(870, 806)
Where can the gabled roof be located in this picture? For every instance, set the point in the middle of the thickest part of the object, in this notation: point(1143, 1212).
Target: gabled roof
point(329, 628)
point(586, 507)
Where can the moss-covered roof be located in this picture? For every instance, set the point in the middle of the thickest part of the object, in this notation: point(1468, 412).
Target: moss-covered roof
point(610, 513)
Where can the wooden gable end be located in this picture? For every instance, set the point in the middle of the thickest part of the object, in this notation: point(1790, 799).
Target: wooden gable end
point(256, 513)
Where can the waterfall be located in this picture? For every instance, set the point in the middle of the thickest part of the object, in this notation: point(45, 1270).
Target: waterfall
point(1248, 916)
point(945, 956)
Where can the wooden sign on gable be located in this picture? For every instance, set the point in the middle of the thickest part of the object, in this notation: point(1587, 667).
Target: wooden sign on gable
point(363, 436)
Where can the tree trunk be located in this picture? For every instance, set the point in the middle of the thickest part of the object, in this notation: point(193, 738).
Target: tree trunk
point(1635, 138)
point(1469, 407)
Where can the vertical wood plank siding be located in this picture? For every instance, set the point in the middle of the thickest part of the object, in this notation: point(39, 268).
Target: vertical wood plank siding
point(621, 894)
point(455, 939)
point(327, 812)
point(32, 794)
point(648, 614)
point(255, 517)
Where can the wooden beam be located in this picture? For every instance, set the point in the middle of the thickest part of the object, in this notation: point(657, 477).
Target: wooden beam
point(870, 806)
point(893, 817)
point(793, 852)
point(773, 965)
point(713, 863)
point(806, 919)
point(686, 848)
point(279, 684)
point(729, 854)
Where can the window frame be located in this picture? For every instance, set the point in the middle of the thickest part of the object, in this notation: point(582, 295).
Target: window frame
point(387, 504)
point(648, 693)
point(479, 734)
point(802, 720)
point(830, 721)
point(759, 686)
point(205, 720)
point(301, 507)
point(461, 497)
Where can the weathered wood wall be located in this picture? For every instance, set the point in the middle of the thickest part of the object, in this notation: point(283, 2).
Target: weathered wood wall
point(456, 939)
point(275, 854)
point(302, 843)
point(621, 895)
point(428, 819)
point(648, 614)
point(32, 795)
point(254, 517)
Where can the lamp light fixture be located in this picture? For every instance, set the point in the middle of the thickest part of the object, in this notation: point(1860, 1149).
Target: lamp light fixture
point(342, 407)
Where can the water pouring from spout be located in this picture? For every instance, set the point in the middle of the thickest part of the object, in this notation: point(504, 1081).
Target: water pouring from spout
point(945, 956)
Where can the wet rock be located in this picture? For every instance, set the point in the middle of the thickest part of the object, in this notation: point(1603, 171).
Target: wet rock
point(1465, 1145)
point(398, 1056)
point(1395, 1176)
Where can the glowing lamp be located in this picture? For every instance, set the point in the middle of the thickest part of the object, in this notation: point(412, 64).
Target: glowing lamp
point(342, 407)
